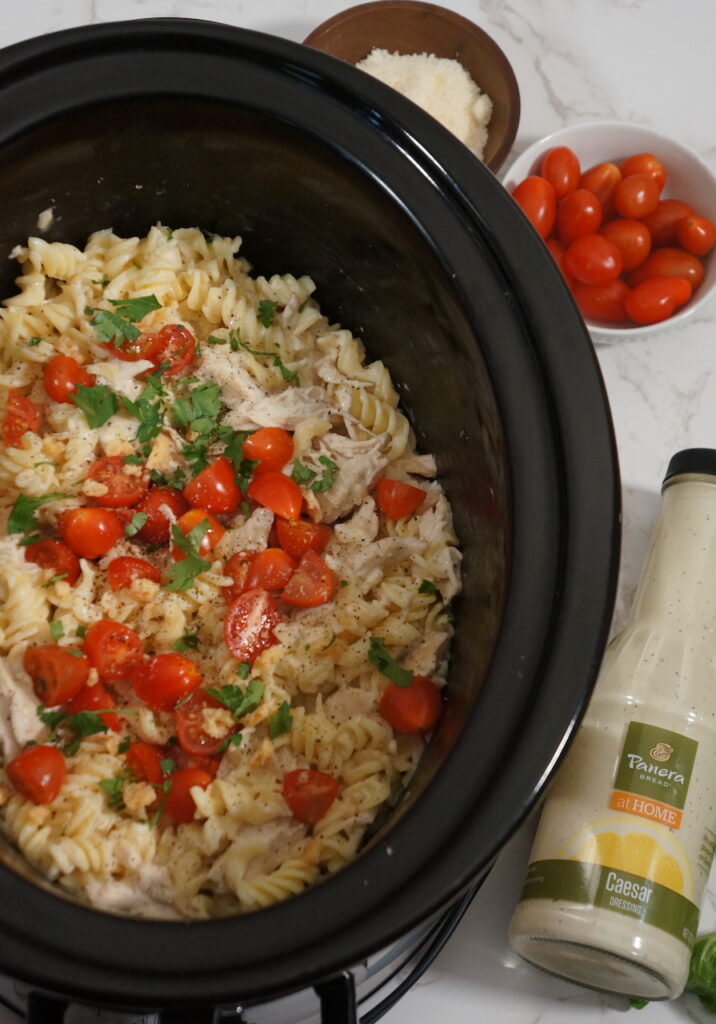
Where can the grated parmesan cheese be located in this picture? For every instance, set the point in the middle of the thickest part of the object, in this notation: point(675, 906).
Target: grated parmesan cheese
point(441, 86)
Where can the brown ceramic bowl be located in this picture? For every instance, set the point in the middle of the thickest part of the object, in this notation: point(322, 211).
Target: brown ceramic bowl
point(409, 26)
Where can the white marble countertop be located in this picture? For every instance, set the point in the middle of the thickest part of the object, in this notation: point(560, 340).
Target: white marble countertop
point(650, 61)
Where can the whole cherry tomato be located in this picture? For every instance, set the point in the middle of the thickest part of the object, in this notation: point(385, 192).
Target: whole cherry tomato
point(560, 166)
point(663, 222)
point(270, 569)
point(593, 259)
point(126, 484)
point(211, 538)
point(54, 555)
point(697, 234)
point(656, 299)
point(602, 180)
point(113, 649)
point(536, 198)
point(297, 536)
point(162, 505)
point(214, 488)
point(37, 773)
point(313, 583)
point(123, 571)
point(631, 237)
point(644, 163)
point(602, 301)
point(413, 708)
point(579, 213)
point(309, 794)
point(249, 625)
point(557, 251)
point(61, 376)
point(636, 196)
point(278, 492)
point(164, 680)
point(180, 804)
point(144, 761)
point(670, 262)
point(396, 499)
point(90, 532)
point(57, 675)
point(191, 725)
point(97, 699)
point(272, 446)
point(21, 415)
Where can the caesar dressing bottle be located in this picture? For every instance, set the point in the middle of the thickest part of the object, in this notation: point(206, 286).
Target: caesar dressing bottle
point(627, 834)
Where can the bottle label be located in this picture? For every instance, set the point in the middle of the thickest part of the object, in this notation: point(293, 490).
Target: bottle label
point(614, 889)
point(653, 774)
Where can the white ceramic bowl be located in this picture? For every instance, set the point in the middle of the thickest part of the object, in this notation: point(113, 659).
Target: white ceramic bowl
point(688, 177)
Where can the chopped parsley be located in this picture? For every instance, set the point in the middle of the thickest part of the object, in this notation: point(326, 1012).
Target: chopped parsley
point(114, 789)
point(243, 467)
point(97, 402)
point(22, 516)
point(188, 642)
point(168, 766)
point(124, 745)
point(213, 340)
point(427, 587)
point(118, 326)
point(302, 474)
point(148, 408)
point(79, 725)
point(288, 375)
point(102, 282)
point(57, 630)
point(199, 411)
point(34, 341)
point(133, 460)
point(387, 665)
point(81, 632)
point(281, 722)
point(267, 308)
point(239, 702)
point(55, 579)
point(183, 573)
point(233, 739)
point(244, 670)
point(136, 523)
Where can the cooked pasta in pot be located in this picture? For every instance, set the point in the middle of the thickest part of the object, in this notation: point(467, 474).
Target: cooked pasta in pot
point(224, 578)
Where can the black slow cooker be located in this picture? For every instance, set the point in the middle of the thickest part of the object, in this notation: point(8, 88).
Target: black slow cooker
point(414, 244)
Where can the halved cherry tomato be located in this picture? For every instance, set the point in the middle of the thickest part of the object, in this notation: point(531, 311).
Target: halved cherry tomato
point(125, 484)
point(113, 649)
point(309, 794)
point(271, 569)
point(414, 708)
point(602, 180)
point(144, 761)
point(297, 536)
point(249, 625)
point(90, 532)
point(21, 415)
point(669, 262)
point(397, 499)
point(602, 301)
point(143, 347)
point(61, 376)
point(560, 166)
point(123, 571)
point(214, 489)
point(644, 163)
point(180, 804)
point(54, 555)
point(278, 492)
point(636, 196)
point(696, 234)
point(657, 298)
point(163, 680)
point(181, 759)
point(191, 725)
point(173, 344)
point(579, 213)
point(631, 237)
point(558, 250)
point(593, 259)
point(163, 505)
point(211, 538)
point(57, 675)
point(272, 446)
point(37, 773)
point(96, 698)
point(312, 583)
point(663, 222)
point(536, 198)
point(238, 568)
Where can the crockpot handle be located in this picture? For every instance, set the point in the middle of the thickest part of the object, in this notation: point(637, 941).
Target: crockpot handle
point(338, 999)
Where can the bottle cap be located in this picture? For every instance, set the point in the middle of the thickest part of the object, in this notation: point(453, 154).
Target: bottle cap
point(692, 460)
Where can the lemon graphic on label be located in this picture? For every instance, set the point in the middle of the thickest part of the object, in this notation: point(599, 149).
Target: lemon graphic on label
point(635, 853)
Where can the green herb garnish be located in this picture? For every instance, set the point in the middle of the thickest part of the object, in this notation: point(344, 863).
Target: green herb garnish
point(427, 587)
point(34, 341)
point(244, 670)
point(57, 630)
point(136, 523)
point(22, 517)
point(54, 579)
point(267, 308)
point(188, 642)
point(301, 474)
point(114, 789)
point(97, 402)
point(387, 665)
point(239, 702)
point(280, 722)
point(183, 573)
point(327, 477)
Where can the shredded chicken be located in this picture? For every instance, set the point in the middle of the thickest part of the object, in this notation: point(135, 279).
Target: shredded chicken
point(19, 723)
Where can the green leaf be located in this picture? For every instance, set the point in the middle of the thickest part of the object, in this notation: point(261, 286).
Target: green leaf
point(54, 579)
point(136, 523)
point(188, 642)
point(57, 630)
point(280, 722)
point(213, 340)
point(243, 467)
point(183, 573)
point(266, 312)
point(233, 739)
point(22, 516)
point(97, 402)
point(81, 632)
point(124, 745)
point(239, 702)
point(136, 309)
point(387, 665)
point(328, 476)
point(103, 281)
point(244, 670)
point(168, 766)
point(301, 474)
point(110, 327)
point(34, 341)
point(427, 587)
point(113, 788)
point(133, 460)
